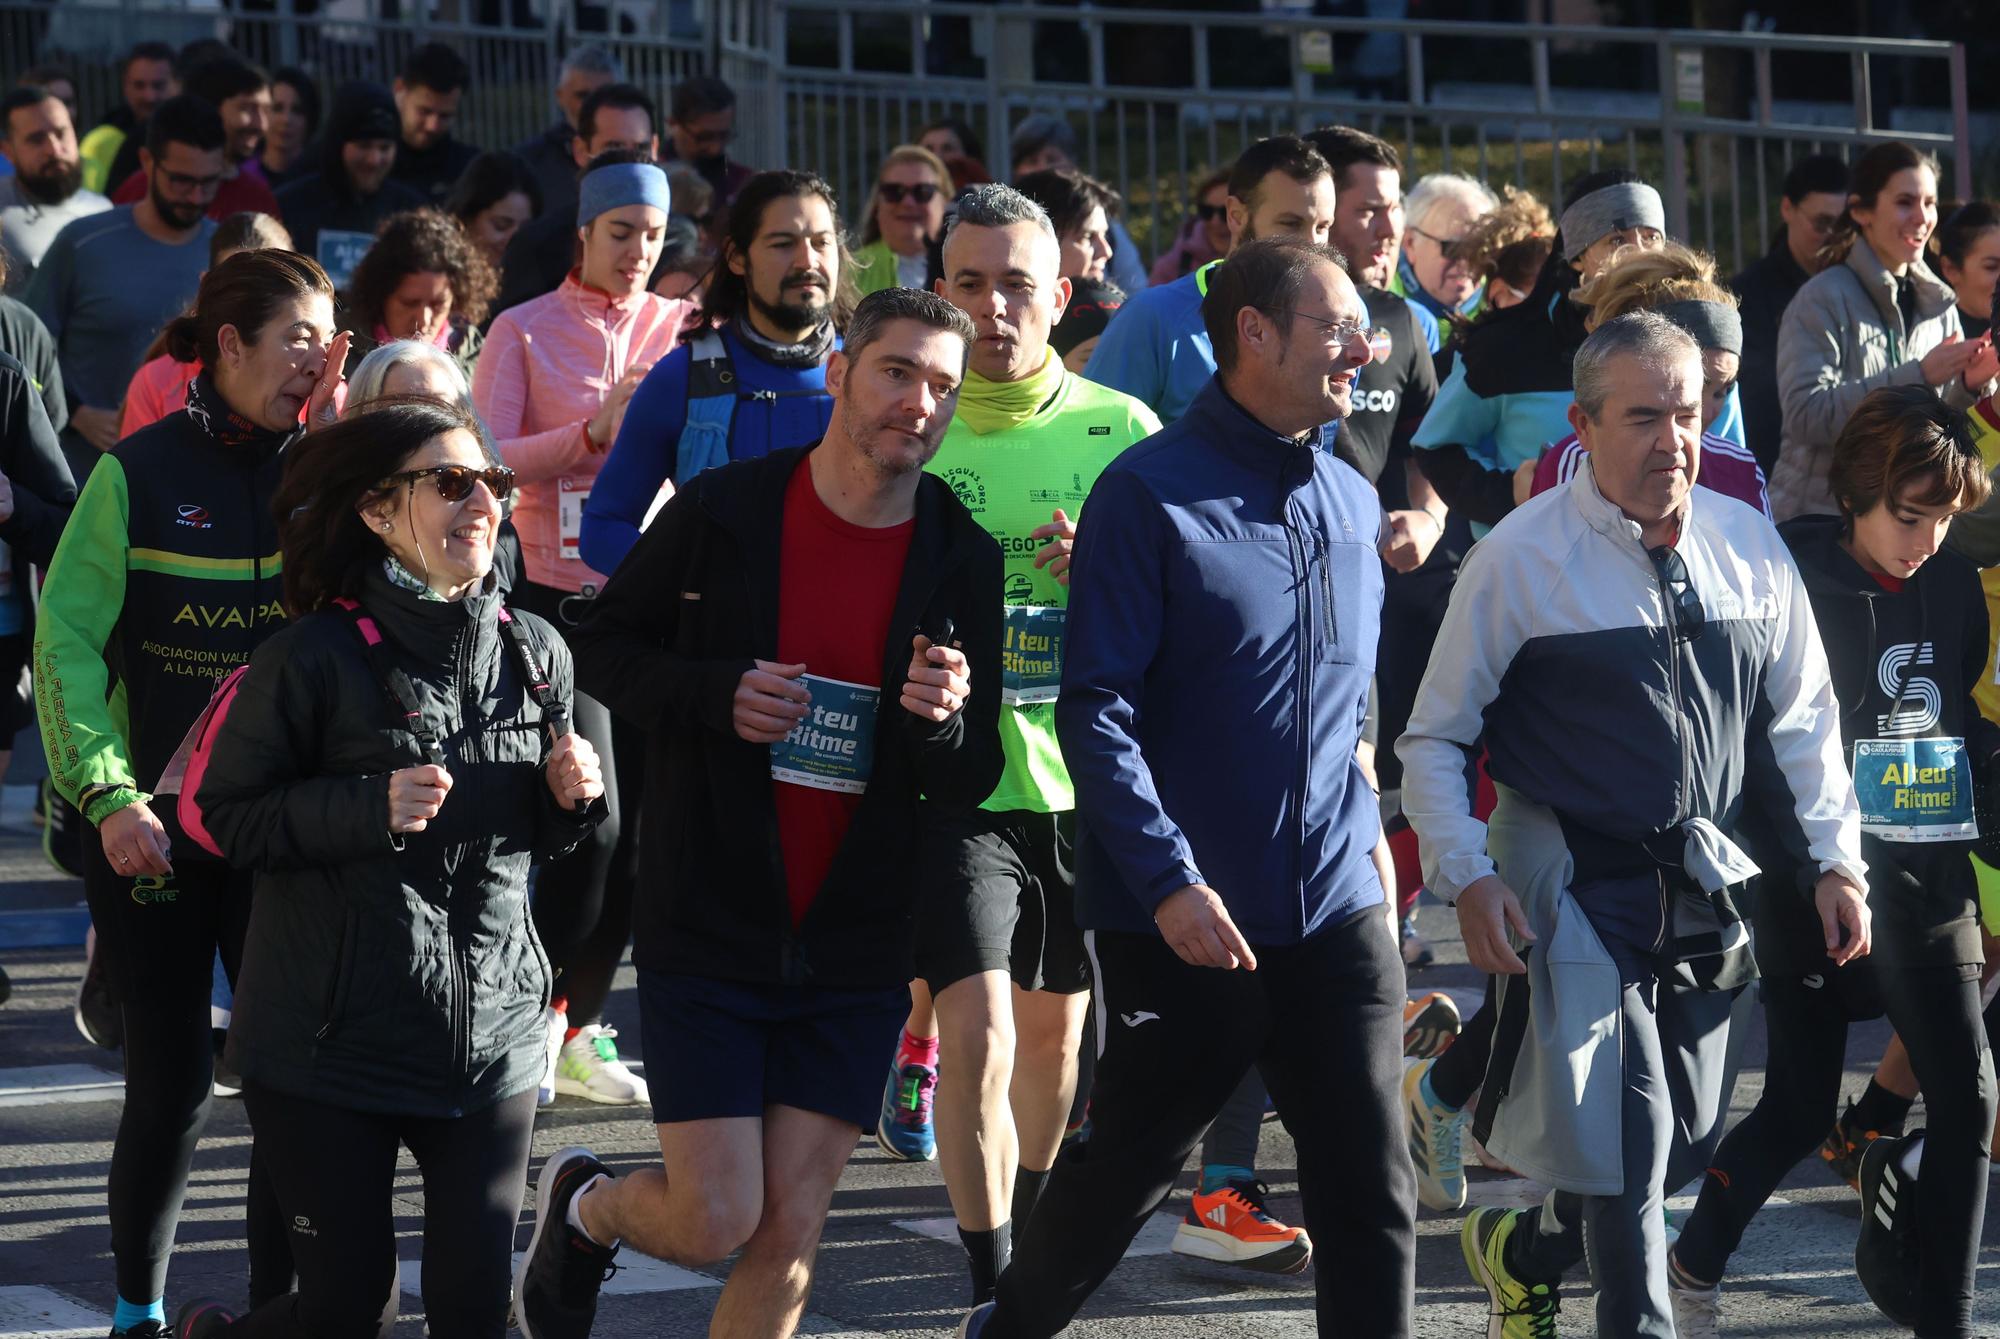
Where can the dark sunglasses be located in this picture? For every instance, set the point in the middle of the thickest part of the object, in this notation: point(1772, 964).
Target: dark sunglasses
point(894, 191)
point(1690, 618)
point(1207, 212)
point(454, 482)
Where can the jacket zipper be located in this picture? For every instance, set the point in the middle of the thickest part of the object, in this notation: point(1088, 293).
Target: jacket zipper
point(336, 985)
point(1302, 712)
point(1670, 628)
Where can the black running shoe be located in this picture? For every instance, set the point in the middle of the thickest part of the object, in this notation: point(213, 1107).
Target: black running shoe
point(1885, 1253)
point(556, 1284)
point(97, 1015)
point(203, 1318)
point(1844, 1146)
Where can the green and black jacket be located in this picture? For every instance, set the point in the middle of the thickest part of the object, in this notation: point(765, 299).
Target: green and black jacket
point(166, 578)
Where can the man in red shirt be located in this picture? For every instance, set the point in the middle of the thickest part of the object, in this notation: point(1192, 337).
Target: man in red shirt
point(241, 92)
point(811, 640)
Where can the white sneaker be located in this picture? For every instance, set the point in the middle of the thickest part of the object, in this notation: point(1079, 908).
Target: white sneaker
point(588, 1066)
point(1436, 1136)
point(555, 1024)
point(1697, 1311)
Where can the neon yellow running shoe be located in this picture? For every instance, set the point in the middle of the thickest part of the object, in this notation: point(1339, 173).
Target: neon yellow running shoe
point(1520, 1310)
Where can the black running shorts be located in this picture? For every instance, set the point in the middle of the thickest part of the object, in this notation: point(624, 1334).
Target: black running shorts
point(999, 895)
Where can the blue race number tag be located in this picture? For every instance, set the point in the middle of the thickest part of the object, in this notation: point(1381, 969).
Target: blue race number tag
point(1914, 790)
point(833, 748)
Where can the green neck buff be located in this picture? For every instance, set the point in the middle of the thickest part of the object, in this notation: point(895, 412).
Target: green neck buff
point(993, 406)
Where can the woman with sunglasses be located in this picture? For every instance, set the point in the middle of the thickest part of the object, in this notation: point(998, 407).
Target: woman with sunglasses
point(1904, 627)
point(553, 387)
point(388, 769)
point(1205, 235)
point(166, 578)
point(905, 220)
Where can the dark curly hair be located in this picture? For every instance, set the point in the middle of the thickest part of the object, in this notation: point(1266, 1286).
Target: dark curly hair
point(420, 241)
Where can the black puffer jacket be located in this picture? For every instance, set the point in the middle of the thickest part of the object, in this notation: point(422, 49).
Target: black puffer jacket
point(388, 974)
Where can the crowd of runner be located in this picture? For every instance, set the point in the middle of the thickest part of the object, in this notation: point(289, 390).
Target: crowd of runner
point(435, 571)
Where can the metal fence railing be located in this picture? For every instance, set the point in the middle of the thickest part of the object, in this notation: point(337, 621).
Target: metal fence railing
point(1698, 112)
point(1157, 97)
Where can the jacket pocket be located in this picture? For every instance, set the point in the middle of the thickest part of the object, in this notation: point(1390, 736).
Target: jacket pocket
point(343, 971)
point(1344, 570)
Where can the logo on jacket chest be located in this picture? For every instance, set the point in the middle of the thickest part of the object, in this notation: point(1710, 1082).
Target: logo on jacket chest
point(1916, 703)
point(231, 615)
point(193, 516)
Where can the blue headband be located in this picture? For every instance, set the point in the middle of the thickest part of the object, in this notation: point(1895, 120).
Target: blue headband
point(619, 184)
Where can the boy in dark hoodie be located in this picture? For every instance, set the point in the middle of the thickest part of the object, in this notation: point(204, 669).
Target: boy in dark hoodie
point(333, 214)
point(1905, 628)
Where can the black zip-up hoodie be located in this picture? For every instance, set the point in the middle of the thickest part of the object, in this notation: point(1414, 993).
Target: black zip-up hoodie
point(1922, 894)
point(692, 605)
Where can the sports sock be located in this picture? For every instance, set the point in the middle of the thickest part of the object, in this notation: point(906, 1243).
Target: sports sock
point(1880, 1110)
point(916, 1051)
point(987, 1253)
point(575, 1219)
point(1680, 1278)
point(1027, 1192)
point(127, 1314)
point(1429, 1093)
point(1216, 1175)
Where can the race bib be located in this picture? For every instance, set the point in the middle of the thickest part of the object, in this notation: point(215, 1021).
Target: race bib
point(339, 251)
point(833, 748)
point(1031, 654)
point(571, 494)
point(1914, 790)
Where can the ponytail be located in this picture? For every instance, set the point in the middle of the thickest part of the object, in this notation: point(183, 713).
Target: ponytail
point(1872, 173)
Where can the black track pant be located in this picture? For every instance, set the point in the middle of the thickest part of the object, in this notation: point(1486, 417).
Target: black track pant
point(160, 938)
point(1936, 1012)
point(1323, 1020)
point(583, 902)
point(335, 1174)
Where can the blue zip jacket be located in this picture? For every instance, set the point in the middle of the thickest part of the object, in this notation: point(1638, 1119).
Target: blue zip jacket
point(643, 456)
point(1224, 608)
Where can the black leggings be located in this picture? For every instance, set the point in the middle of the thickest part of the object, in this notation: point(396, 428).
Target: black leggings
point(583, 902)
point(335, 1175)
point(1935, 1011)
point(159, 938)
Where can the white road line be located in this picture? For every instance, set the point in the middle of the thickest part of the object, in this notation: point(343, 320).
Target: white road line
point(636, 1274)
point(45, 1085)
point(45, 1314)
point(1156, 1238)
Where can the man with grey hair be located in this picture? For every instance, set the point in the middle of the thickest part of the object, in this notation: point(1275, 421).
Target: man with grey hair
point(1438, 212)
point(1634, 661)
point(998, 948)
point(548, 155)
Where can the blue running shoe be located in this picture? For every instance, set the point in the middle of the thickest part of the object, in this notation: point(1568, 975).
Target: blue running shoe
point(975, 1321)
point(904, 1129)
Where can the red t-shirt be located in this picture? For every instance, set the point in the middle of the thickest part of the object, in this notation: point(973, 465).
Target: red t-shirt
point(1894, 585)
point(837, 585)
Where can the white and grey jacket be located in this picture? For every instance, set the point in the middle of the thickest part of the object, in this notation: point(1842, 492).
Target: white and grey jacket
point(1841, 337)
point(1611, 734)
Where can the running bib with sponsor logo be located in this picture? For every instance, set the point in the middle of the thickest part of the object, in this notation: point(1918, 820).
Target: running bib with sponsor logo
point(339, 251)
point(1031, 654)
point(1914, 790)
point(571, 494)
point(833, 748)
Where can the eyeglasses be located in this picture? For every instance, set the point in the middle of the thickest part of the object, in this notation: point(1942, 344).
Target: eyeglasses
point(1444, 244)
point(181, 181)
point(454, 482)
point(1209, 213)
point(894, 191)
point(1690, 618)
point(1341, 333)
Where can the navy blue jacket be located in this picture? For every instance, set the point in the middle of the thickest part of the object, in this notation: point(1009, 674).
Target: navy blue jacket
point(1224, 609)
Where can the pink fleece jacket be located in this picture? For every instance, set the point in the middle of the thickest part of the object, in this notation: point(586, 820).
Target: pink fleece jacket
point(545, 369)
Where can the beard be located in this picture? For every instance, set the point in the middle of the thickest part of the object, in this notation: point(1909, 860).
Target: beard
point(795, 315)
point(53, 184)
point(174, 213)
point(886, 465)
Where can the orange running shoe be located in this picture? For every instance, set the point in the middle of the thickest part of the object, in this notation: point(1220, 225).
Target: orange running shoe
point(1430, 1025)
point(1232, 1226)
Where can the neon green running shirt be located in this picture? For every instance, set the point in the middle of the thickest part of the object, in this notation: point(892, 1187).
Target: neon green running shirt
point(1012, 481)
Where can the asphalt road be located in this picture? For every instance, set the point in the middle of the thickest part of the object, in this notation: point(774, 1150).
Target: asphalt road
point(879, 1273)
